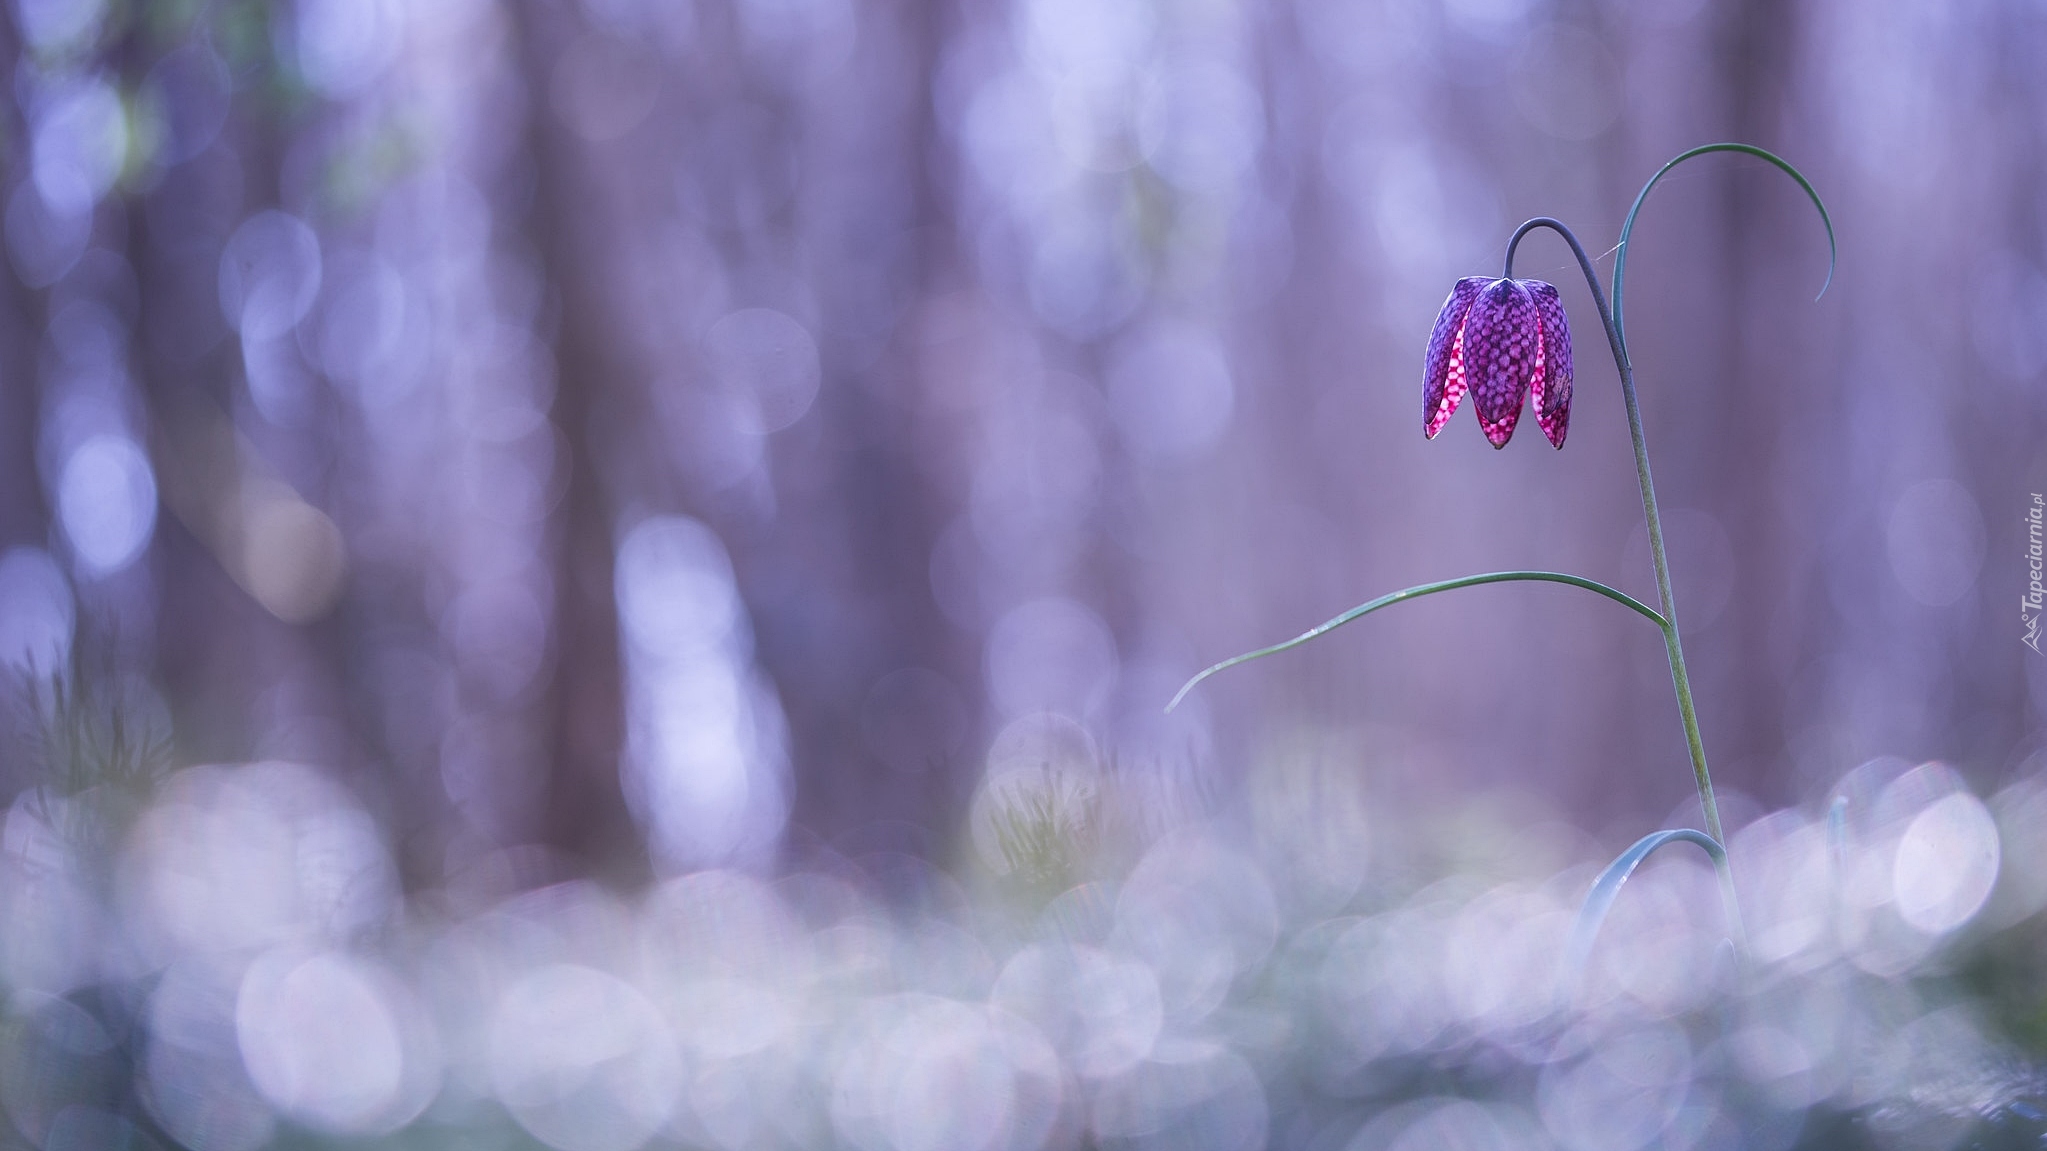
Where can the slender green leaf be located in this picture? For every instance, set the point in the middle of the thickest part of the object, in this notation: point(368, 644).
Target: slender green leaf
point(1416, 593)
point(1837, 833)
point(1607, 888)
point(1620, 258)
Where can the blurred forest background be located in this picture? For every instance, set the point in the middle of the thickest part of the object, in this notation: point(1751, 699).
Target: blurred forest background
point(688, 432)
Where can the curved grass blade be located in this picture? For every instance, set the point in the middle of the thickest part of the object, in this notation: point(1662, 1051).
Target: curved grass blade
point(1837, 860)
point(1620, 258)
point(1607, 888)
point(1417, 592)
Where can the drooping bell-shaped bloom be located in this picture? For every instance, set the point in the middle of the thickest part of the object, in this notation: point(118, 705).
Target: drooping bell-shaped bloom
point(1499, 340)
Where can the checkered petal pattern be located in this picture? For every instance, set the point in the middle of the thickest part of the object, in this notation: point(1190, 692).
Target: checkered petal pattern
point(1550, 391)
point(1502, 338)
point(1443, 384)
point(1499, 340)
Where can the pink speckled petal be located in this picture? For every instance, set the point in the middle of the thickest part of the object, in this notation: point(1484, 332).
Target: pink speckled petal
point(1552, 384)
point(1443, 378)
point(1502, 340)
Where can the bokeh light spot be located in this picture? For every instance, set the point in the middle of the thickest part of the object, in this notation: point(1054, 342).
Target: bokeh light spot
point(106, 500)
point(1171, 392)
point(36, 610)
point(322, 1041)
point(582, 1060)
point(269, 275)
point(1050, 654)
point(769, 362)
point(1936, 541)
point(1946, 864)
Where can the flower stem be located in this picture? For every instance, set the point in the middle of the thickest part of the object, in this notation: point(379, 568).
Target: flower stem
point(1680, 678)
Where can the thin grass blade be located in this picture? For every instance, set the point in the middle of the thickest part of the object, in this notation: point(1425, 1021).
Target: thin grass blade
point(1620, 258)
point(1607, 888)
point(1417, 592)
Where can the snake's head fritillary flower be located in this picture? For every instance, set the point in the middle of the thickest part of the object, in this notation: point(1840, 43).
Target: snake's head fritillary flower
point(1498, 340)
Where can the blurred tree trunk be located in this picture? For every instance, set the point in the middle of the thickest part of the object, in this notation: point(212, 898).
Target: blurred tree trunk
point(239, 681)
point(882, 495)
point(1738, 444)
point(585, 812)
point(24, 519)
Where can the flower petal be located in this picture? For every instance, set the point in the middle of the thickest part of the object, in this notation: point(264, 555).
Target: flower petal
point(1502, 338)
point(1443, 384)
point(1552, 384)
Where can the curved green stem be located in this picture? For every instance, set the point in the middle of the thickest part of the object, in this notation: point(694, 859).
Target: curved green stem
point(1417, 592)
point(1616, 335)
point(1681, 679)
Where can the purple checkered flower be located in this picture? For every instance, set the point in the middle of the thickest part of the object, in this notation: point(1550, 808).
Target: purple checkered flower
point(1498, 339)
